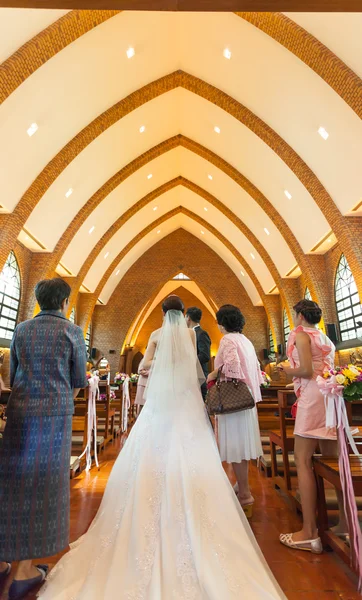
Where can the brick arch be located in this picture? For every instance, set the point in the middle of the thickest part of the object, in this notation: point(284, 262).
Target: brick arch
point(32, 55)
point(158, 264)
point(150, 198)
point(94, 296)
point(47, 263)
point(11, 224)
point(135, 325)
point(46, 44)
point(312, 52)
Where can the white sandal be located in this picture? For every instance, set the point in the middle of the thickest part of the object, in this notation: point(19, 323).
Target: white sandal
point(314, 546)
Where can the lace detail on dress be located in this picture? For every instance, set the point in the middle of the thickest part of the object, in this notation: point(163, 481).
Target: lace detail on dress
point(231, 367)
point(208, 525)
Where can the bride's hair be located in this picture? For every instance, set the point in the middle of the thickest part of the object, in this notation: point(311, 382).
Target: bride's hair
point(173, 303)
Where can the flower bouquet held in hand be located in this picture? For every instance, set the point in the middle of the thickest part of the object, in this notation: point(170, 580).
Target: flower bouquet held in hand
point(134, 378)
point(350, 377)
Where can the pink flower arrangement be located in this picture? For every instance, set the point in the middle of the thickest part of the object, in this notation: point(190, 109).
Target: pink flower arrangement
point(119, 378)
point(103, 397)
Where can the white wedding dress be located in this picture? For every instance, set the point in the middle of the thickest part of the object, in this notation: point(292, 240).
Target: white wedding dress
point(170, 526)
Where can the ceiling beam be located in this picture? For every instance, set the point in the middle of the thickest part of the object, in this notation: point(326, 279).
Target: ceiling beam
point(194, 5)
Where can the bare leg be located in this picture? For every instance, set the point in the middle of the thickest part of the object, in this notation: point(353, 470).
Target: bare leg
point(330, 448)
point(241, 471)
point(303, 451)
point(26, 570)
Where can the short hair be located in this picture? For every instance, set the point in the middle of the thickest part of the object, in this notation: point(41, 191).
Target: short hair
point(310, 310)
point(231, 318)
point(173, 303)
point(194, 313)
point(51, 293)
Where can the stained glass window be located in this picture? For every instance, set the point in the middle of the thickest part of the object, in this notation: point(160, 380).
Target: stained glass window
point(307, 295)
point(286, 327)
point(9, 297)
point(182, 277)
point(271, 342)
point(72, 316)
point(349, 310)
point(88, 338)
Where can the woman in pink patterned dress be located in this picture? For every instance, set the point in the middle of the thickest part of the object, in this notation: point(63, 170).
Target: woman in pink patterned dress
point(310, 353)
point(238, 433)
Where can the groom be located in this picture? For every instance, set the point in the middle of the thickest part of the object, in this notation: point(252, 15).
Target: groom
point(193, 318)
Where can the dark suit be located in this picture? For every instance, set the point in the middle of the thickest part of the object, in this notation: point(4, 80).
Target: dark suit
point(203, 353)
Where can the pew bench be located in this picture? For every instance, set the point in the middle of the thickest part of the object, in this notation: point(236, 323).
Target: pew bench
point(327, 469)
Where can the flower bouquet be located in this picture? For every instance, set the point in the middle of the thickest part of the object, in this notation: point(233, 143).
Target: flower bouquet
point(351, 378)
point(134, 377)
point(267, 380)
point(119, 378)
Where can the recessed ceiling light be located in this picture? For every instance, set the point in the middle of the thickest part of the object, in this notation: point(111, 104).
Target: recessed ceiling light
point(92, 229)
point(159, 231)
point(149, 176)
point(202, 233)
point(205, 209)
point(227, 53)
point(217, 129)
point(329, 240)
point(142, 129)
point(210, 177)
point(155, 207)
point(243, 274)
point(32, 129)
point(130, 52)
point(266, 231)
point(288, 194)
point(69, 192)
point(323, 133)
point(252, 255)
point(117, 272)
point(106, 255)
point(26, 237)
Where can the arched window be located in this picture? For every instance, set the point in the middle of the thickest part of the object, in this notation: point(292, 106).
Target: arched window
point(88, 338)
point(271, 342)
point(348, 303)
point(9, 297)
point(72, 316)
point(286, 327)
point(307, 294)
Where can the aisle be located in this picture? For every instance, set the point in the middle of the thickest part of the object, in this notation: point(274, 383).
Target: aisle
point(302, 576)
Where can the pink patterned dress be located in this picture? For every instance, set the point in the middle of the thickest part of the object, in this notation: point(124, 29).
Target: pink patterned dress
point(238, 433)
point(310, 421)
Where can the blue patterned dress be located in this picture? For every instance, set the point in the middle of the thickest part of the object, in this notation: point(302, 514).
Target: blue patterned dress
point(48, 360)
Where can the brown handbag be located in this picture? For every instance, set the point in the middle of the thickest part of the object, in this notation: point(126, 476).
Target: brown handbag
point(226, 397)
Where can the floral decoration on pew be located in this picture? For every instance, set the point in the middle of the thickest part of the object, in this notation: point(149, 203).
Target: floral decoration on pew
point(267, 380)
point(103, 397)
point(119, 378)
point(134, 377)
point(350, 377)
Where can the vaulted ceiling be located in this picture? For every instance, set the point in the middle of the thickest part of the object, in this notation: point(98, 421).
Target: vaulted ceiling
point(210, 126)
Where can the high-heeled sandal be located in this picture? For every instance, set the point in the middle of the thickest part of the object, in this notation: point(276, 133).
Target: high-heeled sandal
point(248, 510)
point(314, 546)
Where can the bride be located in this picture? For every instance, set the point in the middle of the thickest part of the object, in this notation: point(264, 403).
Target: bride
point(170, 526)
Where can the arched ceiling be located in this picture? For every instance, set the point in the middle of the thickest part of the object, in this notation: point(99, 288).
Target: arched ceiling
point(90, 100)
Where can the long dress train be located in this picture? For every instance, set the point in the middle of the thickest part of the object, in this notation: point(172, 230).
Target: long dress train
point(169, 526)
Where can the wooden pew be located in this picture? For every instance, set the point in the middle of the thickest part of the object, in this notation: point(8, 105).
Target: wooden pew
point(79, 442)
point(283, 438)
point(327, 469)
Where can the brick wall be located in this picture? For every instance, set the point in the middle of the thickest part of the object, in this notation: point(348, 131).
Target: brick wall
point(180, 251)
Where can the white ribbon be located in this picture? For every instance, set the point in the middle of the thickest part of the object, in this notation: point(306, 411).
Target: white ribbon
point(126, 403)
point(92, 422)
point(336, 414)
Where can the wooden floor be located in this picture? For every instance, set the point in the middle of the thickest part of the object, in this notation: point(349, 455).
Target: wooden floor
point(302, 576)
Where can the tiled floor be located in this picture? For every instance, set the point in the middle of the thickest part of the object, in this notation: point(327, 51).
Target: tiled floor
point(302, 576)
